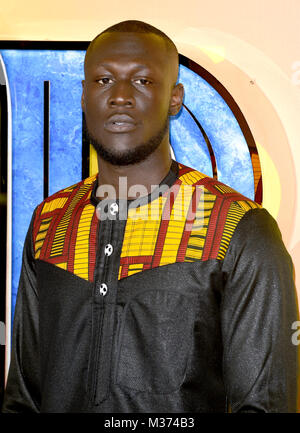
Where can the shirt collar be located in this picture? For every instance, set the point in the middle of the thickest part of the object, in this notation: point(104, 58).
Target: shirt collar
point(168, 180)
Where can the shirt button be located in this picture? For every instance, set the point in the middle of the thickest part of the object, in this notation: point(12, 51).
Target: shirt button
point(108, 249)
point(103, 289)
point(113, 208)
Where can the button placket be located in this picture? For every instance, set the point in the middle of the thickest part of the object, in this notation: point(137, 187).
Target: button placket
point(105, 297)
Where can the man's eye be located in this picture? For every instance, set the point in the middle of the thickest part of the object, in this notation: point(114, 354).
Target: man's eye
point(104, 81)
point(143, 81)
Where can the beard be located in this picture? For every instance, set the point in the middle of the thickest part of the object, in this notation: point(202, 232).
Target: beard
point(132, 156)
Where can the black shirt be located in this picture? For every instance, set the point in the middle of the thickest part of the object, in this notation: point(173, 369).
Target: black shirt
point(182, 301)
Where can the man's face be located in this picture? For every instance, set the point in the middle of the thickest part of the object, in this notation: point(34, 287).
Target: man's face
point(128, 93)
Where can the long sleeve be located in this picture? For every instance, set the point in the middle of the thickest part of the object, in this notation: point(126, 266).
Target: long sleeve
point(258, 308)
point(22, 393)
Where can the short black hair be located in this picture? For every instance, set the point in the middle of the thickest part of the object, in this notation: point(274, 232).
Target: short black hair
point(136, 26)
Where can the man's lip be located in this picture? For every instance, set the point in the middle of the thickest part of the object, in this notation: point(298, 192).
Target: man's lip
point(119, 126)
point(120, 123)
point(119, 118)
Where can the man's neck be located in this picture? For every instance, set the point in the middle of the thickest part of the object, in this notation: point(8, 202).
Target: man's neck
point(130, 181)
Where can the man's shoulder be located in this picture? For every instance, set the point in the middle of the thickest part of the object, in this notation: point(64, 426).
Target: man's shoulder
point(219, 190)
point(220, 209)
point(73, 195)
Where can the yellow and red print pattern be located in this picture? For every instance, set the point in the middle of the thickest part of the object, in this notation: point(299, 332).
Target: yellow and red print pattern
point(192, 220)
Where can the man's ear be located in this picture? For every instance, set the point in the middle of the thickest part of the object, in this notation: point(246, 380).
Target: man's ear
point(82, 96)
point(176, 99)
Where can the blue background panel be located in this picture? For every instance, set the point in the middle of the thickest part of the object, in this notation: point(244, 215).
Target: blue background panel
point(231, 150)
point(28, 69)
point(192, 150)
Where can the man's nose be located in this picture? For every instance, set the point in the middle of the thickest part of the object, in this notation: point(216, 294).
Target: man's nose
point(121, 94)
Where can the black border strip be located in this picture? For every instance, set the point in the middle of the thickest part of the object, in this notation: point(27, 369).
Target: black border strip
point(85, 168)
point(43, 45)
point(46, 136)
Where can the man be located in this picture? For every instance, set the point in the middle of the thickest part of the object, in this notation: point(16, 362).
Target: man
point(149, 287)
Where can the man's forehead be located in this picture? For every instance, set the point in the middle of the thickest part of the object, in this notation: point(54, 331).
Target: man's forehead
point(128, 43)
point(145, 48)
